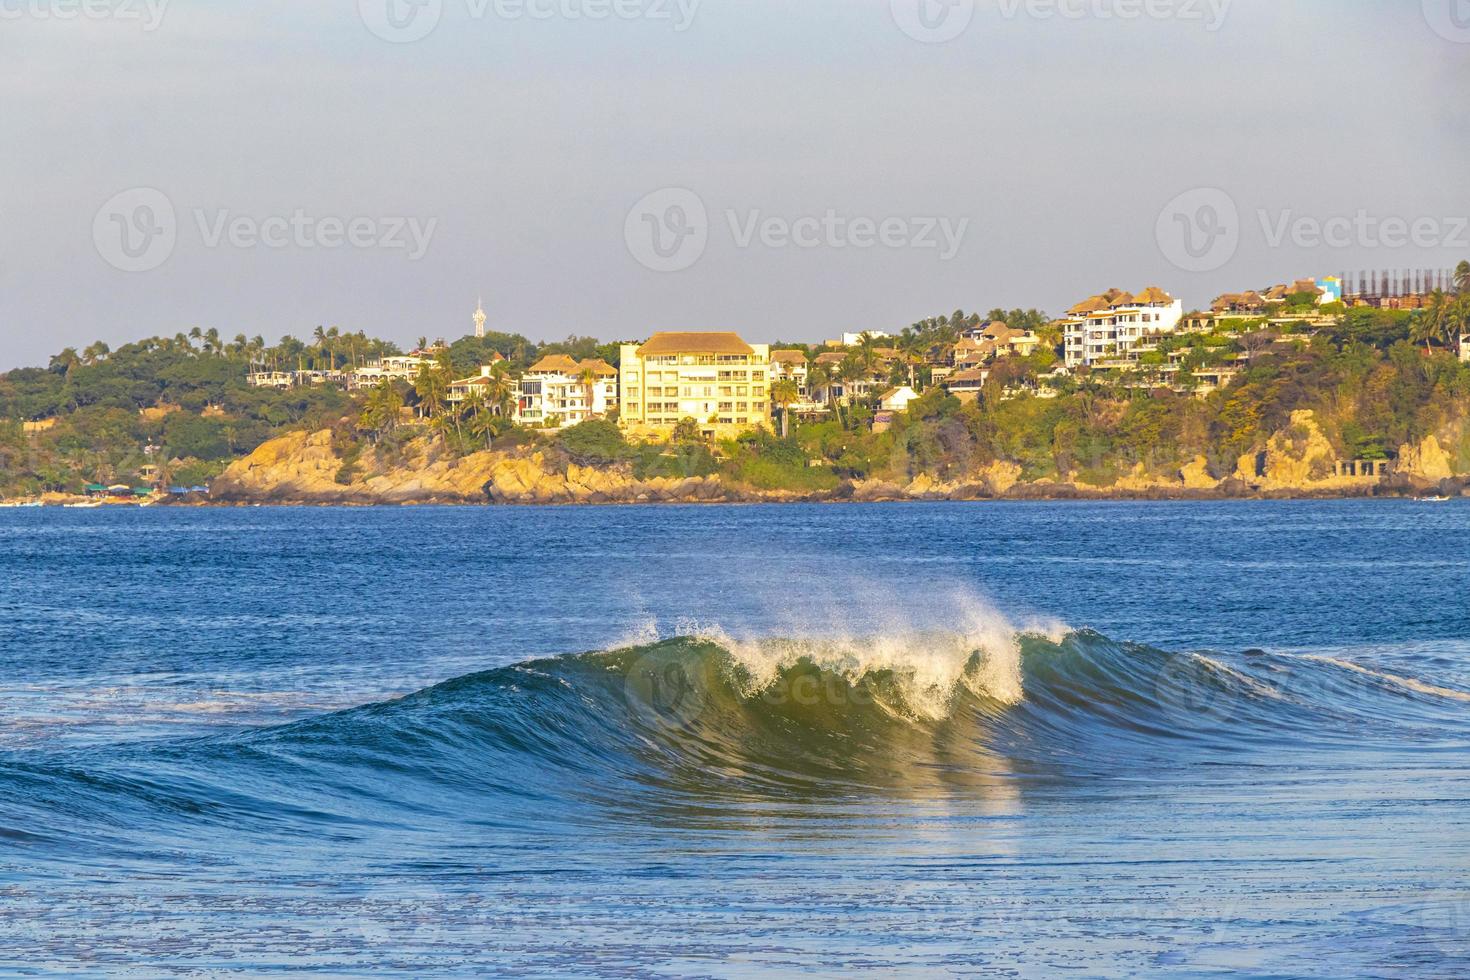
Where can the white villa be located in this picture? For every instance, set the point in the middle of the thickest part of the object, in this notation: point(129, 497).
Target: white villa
point(1113, 329)
point(396, 367)
point(461, 391)
point(790, 365)
point(559, 391)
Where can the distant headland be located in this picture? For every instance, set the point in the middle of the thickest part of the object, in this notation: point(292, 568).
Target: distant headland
point(1318, 387)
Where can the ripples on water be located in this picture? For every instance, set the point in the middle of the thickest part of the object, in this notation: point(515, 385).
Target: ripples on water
point(1200, 739)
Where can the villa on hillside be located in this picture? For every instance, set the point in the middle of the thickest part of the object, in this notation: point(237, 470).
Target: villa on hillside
point(714, 378)
point(396, 367)
point(838, 390)
point(1004, 338)
point(559, 391)
point(1114, 328)
point(856, 339)
point(461, 391)
point(790, 365)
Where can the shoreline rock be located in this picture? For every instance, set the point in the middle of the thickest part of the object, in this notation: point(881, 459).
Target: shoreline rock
point(303, 468)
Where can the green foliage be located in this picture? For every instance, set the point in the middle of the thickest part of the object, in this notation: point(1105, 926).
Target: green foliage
point(595, 443)
point(674, 462)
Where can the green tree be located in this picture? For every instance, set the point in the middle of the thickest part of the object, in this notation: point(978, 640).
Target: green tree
point(784, 394)
point(380, 411)
point(432, 388)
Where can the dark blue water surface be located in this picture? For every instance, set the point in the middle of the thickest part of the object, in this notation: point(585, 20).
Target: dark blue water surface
point(912, 740)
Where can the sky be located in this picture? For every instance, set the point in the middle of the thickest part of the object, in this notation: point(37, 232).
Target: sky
point(789, 169)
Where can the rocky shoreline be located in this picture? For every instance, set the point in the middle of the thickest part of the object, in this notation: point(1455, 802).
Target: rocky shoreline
point(306, 469)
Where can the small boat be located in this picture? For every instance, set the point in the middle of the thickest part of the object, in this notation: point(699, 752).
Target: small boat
point(84, 505)
point(1433, 500)
point(16, 504)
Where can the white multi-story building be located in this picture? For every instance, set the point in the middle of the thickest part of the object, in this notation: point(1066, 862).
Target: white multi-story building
point(716, 379)
point(559, 391)
point(396, 367)
point(1113, 329)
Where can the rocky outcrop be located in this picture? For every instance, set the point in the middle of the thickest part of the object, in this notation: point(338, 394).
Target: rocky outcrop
point(310, 468)
point(305, 468)
point(1426, 463)
point(1195, 475)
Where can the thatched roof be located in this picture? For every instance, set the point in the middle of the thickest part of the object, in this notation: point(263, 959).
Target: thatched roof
point(1153, 295)
point(664, 344)
point(554, 364)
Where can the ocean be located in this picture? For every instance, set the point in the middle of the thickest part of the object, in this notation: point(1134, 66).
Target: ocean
point(993, 739)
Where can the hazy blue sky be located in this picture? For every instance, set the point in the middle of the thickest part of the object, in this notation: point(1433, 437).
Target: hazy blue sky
point(523, 143)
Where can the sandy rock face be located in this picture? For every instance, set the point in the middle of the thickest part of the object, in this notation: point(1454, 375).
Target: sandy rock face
point(1195, 475)
point(1299, 457)
point(1425, 463)
point(303, 468)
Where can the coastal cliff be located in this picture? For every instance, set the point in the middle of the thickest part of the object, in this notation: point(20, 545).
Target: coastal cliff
point(312, 468)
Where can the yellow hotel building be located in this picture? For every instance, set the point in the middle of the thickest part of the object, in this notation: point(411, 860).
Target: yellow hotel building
point(716, 379)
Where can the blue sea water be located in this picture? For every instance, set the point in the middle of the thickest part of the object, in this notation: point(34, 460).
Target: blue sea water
point(1111, 739)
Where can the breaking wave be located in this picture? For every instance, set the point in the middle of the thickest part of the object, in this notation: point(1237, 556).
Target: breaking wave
point(700, 722)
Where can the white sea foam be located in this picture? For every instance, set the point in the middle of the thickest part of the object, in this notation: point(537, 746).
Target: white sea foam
point(931, 647)
point(1408, 683)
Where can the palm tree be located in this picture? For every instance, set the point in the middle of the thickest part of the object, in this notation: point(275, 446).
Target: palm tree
point(482, 418)
point(911, 349)
point(1457, 322)
point(785, 393)
point(1462, 278)
point(1433, 324)
point(500, 393)
point(818, 378)
point(587, 378)
point(432, 387)
point(380, 414)
point(96, 352)
point(848, 372)
point(867, 353)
